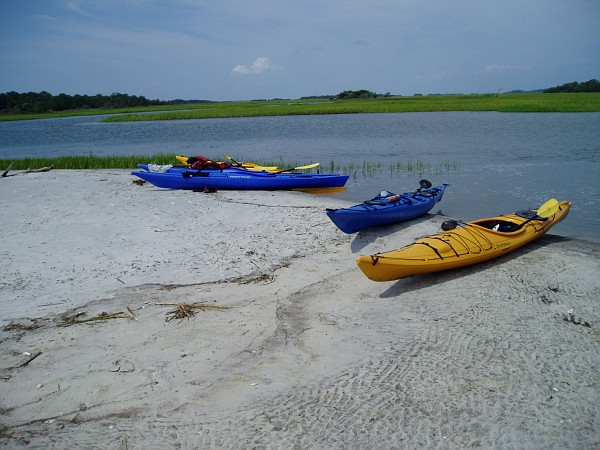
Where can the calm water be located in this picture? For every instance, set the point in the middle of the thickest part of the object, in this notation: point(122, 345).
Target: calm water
point(497, 163)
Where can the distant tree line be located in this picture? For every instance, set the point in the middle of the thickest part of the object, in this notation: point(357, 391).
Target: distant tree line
point(344, 95)
point(586, 86)
point(363, 93)
point(41, 102)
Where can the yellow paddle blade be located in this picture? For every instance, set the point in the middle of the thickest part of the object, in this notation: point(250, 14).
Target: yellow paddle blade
point(308, 166)
point(548, 209)
point(183, 159)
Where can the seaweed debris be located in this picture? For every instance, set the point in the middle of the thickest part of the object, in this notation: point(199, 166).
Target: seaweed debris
point(187, 310)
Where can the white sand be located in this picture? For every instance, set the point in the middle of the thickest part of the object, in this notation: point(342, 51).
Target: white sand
point(308, 353)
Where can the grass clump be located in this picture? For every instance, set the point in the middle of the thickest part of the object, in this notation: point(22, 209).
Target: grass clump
point(85, 162)
point(368, 169)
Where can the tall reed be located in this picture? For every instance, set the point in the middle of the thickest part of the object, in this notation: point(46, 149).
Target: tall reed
point(367, 169)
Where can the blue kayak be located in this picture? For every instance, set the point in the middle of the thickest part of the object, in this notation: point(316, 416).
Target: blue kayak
point(387, 208)
point(238, 179)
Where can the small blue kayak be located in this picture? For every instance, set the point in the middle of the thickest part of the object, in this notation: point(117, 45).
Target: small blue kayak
point(387, 208)
point(238, 179)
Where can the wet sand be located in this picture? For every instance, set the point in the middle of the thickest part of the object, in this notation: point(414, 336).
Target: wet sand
point(292, 346)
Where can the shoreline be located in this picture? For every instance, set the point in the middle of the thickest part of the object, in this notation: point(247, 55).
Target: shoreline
point(293, 346)
point(545, 102)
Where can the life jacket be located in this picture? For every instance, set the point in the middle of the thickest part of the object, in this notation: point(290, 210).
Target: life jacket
point(200, 162)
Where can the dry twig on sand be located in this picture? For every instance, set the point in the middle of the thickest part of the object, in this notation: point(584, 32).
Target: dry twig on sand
point(74, 318)
point(5, 173)
point(42, 169)
point(30, 358)
point(187, 310)
point(21, 327)
point(265, 278)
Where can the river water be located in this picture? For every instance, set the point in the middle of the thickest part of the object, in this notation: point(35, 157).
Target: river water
point(494, 162)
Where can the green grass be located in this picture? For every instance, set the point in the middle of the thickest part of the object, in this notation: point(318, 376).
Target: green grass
point(83, 162)
point(93, 112)
point(588, 102)
point(367, 169)
point(562, 102)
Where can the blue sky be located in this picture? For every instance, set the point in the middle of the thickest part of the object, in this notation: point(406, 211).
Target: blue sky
point(262, 49)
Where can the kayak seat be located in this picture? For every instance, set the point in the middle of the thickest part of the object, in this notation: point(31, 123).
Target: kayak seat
point(501, 225)
point(425, 193)
point(530, 215)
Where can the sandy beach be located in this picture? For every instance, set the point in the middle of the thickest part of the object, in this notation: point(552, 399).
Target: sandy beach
point(290, 345)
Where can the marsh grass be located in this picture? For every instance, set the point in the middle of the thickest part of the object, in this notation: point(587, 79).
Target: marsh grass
point(526, 102)
point(573, 102)
point(84, 162)
point(96, 112)
point(366, 169)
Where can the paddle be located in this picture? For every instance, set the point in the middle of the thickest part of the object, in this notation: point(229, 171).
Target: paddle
point(250, 166)
point(546, 210)
point(232, 160)
point(308, 166)
point(425, 184)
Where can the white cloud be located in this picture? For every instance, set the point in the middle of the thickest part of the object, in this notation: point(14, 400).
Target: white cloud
point(260, 65)
point(75, 6)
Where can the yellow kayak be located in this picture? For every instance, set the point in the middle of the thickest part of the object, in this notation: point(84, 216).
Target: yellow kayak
point(188, 160)
point(462, 244)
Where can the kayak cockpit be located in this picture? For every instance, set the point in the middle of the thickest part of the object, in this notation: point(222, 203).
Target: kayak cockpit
point(498, 225)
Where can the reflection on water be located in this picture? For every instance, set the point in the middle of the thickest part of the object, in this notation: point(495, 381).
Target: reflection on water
point(322, 191)
point(494, 162)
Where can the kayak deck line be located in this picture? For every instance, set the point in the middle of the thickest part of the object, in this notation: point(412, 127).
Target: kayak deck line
point(387, 208)
point(464, 244)
point(459, 238)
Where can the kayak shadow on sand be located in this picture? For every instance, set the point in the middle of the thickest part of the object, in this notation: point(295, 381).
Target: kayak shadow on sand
point(418, 282)
point(366, 237)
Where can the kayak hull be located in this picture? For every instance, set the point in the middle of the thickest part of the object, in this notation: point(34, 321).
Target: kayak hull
point(469, 243)
point(239, 179)
point(380, 211)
